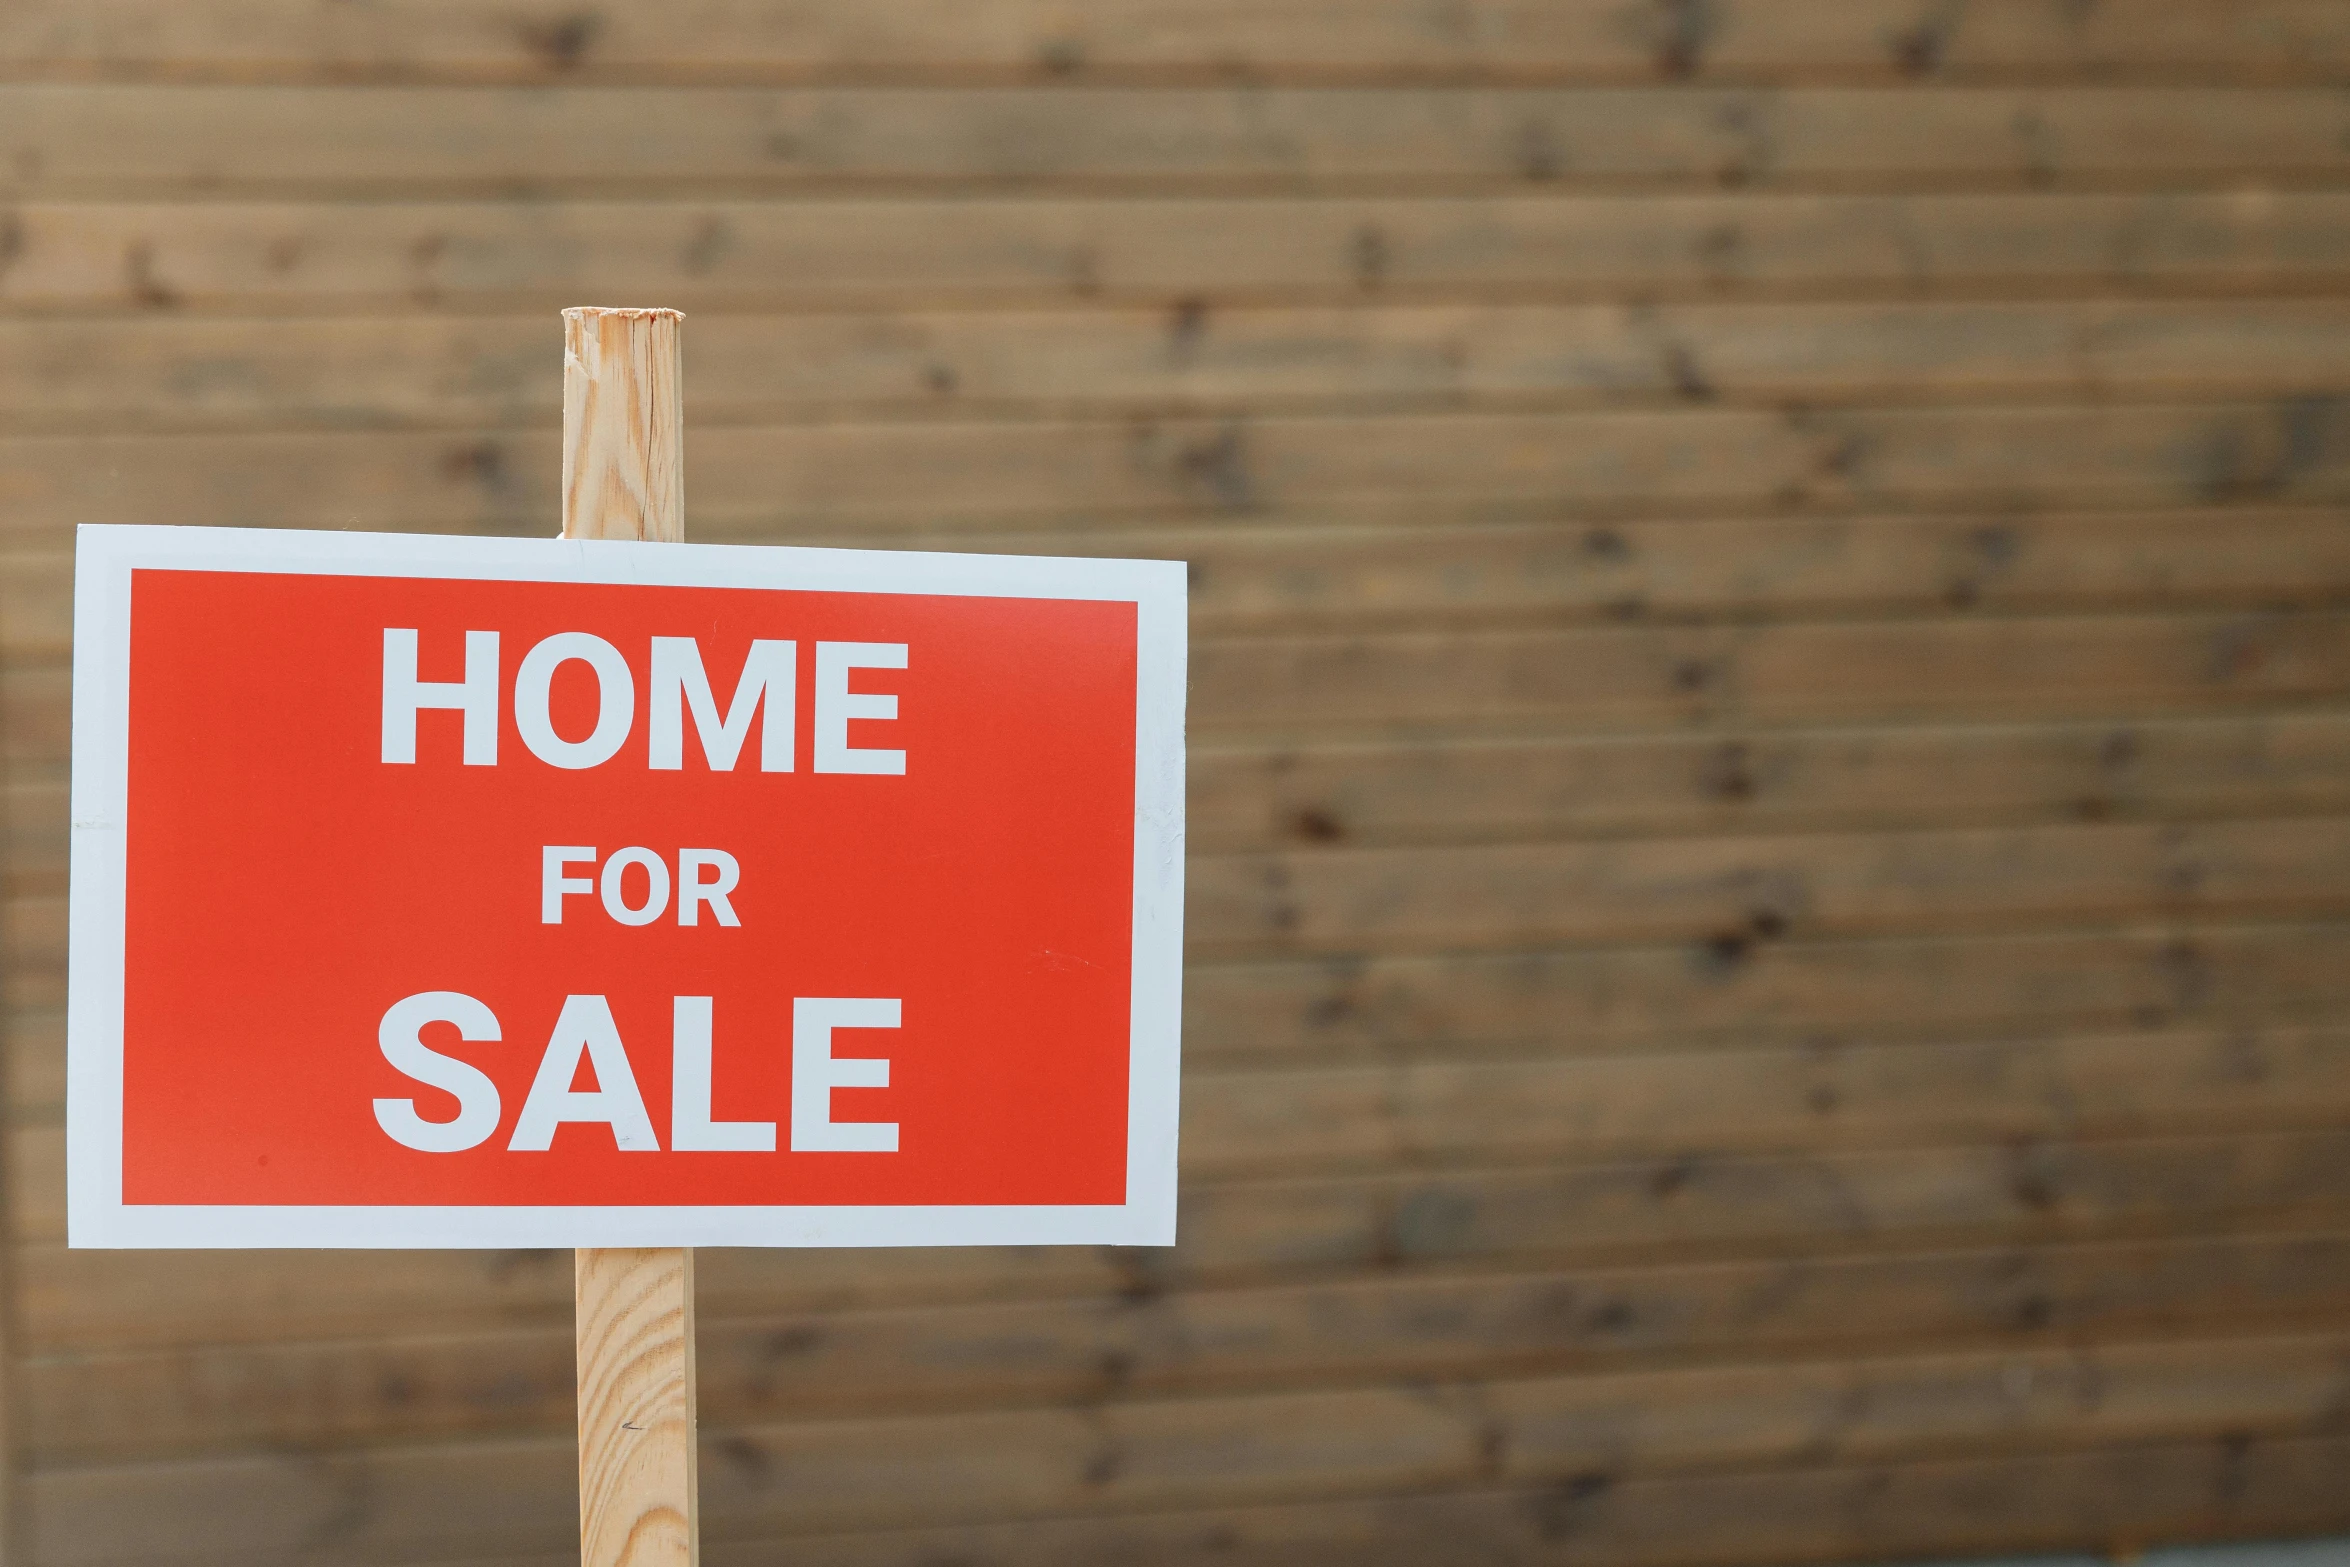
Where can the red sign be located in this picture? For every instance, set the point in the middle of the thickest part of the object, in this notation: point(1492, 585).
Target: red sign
point(448, 892)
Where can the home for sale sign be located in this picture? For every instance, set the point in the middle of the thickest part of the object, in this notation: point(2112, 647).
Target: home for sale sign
point(443, 892)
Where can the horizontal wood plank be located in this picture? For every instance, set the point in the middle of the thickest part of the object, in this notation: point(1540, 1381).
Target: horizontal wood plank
point(771, 483)
point(1582, 39)
point(1738, 986)
point(1519, 895)
point(95, 138)
point(1878, 671)
point(1826, 1093)
point(123, 372)
point(2116, 1501)
point(1301, 574)
point(1306, 795)
point(540, 255)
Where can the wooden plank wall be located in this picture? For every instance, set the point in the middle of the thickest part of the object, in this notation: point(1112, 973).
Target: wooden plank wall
point(1771, 906)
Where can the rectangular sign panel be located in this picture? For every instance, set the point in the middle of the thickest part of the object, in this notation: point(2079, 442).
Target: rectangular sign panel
point(463, 892)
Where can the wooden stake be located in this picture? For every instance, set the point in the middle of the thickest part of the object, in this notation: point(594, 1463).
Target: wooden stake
point(623, 478)
point(623, 425)
point(635, 1321)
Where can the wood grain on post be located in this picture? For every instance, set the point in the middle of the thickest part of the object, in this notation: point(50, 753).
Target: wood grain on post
point(635, 1326)
point(623, 478)
point(623, 425)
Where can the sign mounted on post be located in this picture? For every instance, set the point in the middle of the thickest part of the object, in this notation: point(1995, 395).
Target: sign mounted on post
point(448, 892)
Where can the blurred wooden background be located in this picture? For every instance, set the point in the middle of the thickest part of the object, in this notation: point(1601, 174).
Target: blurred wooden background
point(1772, 802)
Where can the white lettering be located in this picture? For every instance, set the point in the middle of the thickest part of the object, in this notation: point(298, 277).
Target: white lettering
point(476, 696)
point(690, 1126)
point(553, 884)
point(616, 704)
point(585, 1026)
point(816, 1072)
point(693, 892)
point(679, 685)
point(836, 704)
point(656, 887)
point(679, 682)
point(400, 1037)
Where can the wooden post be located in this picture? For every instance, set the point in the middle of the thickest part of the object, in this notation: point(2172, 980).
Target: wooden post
point(635, 1321)
point(624, 478)
point(623, 426)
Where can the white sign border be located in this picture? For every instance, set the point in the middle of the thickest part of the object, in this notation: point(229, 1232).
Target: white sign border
point(105, 557)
